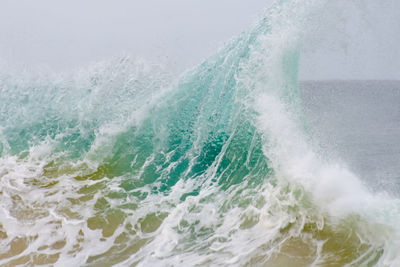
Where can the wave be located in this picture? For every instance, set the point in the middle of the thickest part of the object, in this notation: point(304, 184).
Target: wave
point(121, 165)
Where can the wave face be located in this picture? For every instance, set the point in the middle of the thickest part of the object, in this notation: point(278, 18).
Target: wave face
point(120, 165)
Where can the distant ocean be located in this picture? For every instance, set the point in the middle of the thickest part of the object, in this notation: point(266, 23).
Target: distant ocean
point(231, 164)
point(358, 122)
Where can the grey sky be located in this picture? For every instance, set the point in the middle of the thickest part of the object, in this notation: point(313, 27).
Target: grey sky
point(66, 34)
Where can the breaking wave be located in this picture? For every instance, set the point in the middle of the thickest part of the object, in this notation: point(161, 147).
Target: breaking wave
point(121, 165)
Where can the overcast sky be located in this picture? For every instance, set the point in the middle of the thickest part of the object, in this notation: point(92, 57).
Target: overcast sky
point(65, 34)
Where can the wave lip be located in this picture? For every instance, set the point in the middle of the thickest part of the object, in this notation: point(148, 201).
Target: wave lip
point(120, 166)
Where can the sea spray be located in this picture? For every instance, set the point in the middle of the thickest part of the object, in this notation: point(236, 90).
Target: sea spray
point(120, 166)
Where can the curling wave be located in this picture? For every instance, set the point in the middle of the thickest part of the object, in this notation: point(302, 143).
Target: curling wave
point(120, 165)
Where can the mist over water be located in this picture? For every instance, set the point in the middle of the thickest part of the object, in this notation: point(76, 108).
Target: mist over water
point(357, 122)
point(122, 164)
point(355, 39)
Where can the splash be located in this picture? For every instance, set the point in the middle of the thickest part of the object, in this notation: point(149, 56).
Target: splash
point(120, 165)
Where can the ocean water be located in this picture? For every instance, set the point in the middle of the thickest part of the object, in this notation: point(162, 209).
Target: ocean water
point(358, 123)
point(120, 164)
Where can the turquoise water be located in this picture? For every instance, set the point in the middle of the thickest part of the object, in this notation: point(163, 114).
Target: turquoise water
point(119, 164)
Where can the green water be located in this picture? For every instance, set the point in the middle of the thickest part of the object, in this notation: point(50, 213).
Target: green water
point(122, 165)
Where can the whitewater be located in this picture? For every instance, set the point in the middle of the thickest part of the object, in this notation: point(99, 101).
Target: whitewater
point(120, 164)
